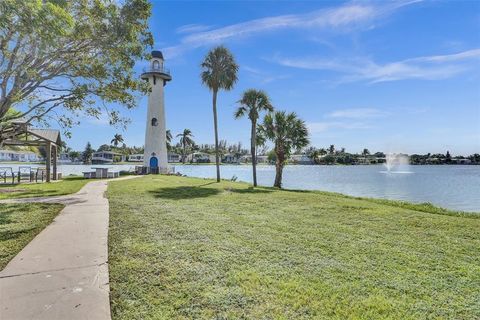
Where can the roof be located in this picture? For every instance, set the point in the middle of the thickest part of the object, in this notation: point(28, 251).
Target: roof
point(47, 134)
point(157, 54)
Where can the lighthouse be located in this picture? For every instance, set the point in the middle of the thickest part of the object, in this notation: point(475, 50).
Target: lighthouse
point(155, 157)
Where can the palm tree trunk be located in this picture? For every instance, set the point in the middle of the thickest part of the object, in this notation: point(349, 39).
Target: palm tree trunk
point(253, 152)
point(279, 167)
point(184, 153)
point(278, 175)
point(217, 155)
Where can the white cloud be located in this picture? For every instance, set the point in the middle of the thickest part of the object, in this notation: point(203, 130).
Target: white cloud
point(429, 67)
point(344, 17)
point(191, 28)
point(263, 77)
point(358, 113)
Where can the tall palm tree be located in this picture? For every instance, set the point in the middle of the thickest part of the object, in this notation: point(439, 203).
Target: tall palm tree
point(288, 133)
point(117, 139)
point(219, 71)
point(252, 103)
point(169, 139)
point(331, 149)
point(185, 140)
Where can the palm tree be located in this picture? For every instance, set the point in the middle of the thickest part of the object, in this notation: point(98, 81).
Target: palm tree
point(313, 153)
point(219, 72)
point(185, 140)
point(252, 103)
point(168, 135)
point(331, 149)
point(117, 138)
point(365, 153)
point(288, 133)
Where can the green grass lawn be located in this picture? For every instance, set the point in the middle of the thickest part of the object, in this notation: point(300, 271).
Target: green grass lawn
point(27, 190)
point(20, 223)
point(183, 248)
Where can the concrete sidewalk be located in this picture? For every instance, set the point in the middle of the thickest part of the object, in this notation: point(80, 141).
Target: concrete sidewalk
point(63, 272)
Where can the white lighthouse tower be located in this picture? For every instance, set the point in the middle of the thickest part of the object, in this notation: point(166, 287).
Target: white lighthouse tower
point(155, 154)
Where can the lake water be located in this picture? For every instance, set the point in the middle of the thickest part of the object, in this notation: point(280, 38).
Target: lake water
point(453, 187)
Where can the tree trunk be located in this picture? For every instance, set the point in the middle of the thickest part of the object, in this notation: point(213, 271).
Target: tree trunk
point(279, 166)
point(217, 152)
point(278, 175)
point(184, 153)
point(253, 151)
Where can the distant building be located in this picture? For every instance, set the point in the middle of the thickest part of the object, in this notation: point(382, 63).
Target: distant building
point(230, 158)
point(461, 161)
point(200, 157)
point(64, 158)
point(248, 159)
point(135, 157)
point(262, 159)
point(173, 157)
point(106, 157)
point(300, 159)
point(20, 156)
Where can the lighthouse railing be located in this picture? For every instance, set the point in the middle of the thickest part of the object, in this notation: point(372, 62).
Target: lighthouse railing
point(159, 69)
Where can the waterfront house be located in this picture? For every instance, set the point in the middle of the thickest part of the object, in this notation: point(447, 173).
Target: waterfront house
point(20, 156)
point(200, 157)
point(300, 159)
point(135, 157)
point(106, 157)
point(230, 158)
point(173, 157)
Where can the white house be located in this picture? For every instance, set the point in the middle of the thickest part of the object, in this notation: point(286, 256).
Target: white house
point(200, 157)
point(173, 157)
point(230, 158)
point(135, 157)
point(300, 159)
point(21, 156)
point(106, 157)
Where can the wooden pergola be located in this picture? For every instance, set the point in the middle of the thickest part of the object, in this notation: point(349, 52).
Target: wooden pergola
point(21, 134)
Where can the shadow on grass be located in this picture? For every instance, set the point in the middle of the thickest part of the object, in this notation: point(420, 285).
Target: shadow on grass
point(184, 192)
point(250, 190)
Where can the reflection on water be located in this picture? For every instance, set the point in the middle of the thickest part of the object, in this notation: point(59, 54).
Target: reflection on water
point(454, 187)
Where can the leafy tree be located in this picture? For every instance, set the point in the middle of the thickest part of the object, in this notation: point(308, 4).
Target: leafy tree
point(252, 103)
point(104, 147)
point(77, 56)
point(117, 138)
point(219, 71)
point(73, 155)
point(185, 140)
point(287, 132)
point(87, 153)
point(329, 159)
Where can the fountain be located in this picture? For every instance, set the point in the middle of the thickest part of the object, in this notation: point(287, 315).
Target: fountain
point(397, 163)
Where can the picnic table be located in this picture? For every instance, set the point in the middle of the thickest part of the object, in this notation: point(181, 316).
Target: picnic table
point(101, 173)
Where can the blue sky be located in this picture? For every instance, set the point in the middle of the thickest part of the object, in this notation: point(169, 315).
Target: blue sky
point(398, 76)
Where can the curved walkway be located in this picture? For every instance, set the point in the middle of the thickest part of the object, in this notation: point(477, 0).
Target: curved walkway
point(63, 272)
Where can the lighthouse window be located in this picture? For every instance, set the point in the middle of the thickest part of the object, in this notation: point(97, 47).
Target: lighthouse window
point(156, 65)
point(154, 80)
point(154, 122)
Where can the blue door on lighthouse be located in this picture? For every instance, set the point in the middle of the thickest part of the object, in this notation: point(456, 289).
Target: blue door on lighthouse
point(153, 162)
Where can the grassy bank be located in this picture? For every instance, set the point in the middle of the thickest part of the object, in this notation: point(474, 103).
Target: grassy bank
point(27, 190)
point(183, 248)
point(20, 223)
